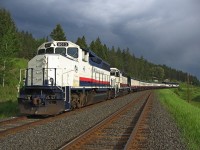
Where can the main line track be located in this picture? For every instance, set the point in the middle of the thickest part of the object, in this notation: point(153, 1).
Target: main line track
point(120, 130)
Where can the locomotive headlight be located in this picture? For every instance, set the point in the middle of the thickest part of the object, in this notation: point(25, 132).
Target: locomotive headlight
point(51, 81)
point(28, 97)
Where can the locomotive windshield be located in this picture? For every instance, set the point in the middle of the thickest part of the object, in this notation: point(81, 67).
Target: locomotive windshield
point(112, 73)
point(41, 51)
point(71, 51)
point(50, 50)
point(61, 51)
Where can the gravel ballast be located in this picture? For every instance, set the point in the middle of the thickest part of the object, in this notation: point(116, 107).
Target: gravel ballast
point(163, 131)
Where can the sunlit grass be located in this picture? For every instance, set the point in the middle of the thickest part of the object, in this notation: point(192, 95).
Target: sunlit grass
point(9, 93)
point(188, 91)
point(186, 115)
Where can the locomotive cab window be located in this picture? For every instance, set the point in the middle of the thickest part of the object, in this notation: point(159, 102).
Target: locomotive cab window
point(41, 51)
point(60, 50)
point(112, 73)
point(50, 50)
point(73, 52)
point(117, 74)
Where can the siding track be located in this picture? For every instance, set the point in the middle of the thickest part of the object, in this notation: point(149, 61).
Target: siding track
point(17, 124)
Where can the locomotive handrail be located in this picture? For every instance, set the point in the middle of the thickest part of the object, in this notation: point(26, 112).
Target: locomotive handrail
point(20, 79)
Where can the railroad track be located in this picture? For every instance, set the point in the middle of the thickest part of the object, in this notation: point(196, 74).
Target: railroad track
point(119, 131)
point(14, 125)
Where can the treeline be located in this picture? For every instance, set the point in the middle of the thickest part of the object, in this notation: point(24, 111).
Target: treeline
point(138, 68)
point(14, 43)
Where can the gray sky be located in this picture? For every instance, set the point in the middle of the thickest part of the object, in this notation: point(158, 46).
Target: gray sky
point(162, 31)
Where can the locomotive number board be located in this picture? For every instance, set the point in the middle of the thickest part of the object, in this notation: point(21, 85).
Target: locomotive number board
point(62, 44)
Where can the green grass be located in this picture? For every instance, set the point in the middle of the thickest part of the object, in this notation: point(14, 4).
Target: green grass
point(186, 115)
point(8, 93)
point(8, 109)
point(12, 70)
point(189, 93)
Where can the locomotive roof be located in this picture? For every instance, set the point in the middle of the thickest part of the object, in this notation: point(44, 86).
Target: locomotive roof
point(92, 54)
point(93, 58)
point(97, 61)
point(57, 43)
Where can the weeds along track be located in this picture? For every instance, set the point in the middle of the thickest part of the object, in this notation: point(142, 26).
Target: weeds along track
point(118, 131)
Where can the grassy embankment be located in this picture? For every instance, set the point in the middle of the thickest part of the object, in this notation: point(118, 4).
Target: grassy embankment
point(8, 93)
point(189, 93)
point(186, 115)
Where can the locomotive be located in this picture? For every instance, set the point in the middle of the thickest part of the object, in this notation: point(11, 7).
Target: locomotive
point(63, 76)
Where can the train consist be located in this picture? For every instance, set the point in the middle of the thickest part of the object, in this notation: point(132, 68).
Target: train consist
point(62, 76)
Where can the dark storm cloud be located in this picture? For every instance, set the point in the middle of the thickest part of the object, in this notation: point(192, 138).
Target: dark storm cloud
point(164, 32)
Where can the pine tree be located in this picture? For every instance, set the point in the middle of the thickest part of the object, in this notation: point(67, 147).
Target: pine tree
point(157, 72)
point(58, 34)
point(82, 42)
point(100, 49)
point(112, 57)
point(93, 47)
point(28, 44)
point(8, 35)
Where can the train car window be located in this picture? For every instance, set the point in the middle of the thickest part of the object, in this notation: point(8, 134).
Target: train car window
point(60, 50)
point(41, 51)
point(50, 50)
point(106, 66)
point(96, 60)
point(72, 51)
point(112, 73)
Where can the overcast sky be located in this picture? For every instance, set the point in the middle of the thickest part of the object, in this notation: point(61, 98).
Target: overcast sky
point(162, 31)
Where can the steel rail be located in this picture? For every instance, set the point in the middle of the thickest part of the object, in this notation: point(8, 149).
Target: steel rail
point(12, 120)
point(139, 134)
